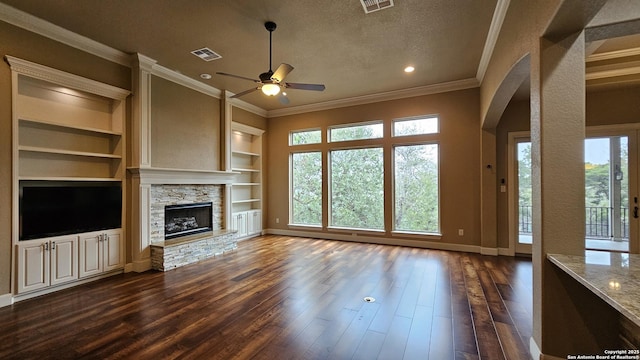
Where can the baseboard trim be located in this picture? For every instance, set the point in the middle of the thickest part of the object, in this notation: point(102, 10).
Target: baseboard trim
point(128, 267)
point(534, 350)
point(489, 251)
point(6, 300)
point(506, 252)
point(377, 240)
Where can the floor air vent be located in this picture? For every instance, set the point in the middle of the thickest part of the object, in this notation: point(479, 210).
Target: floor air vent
point(375, 5)
point(206, 54)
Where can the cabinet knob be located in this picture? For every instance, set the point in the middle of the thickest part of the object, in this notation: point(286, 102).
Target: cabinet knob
point(53, 245)
point(46, 246)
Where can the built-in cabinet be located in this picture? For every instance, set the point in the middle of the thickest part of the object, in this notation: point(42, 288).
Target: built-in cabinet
point(66, 128)
point(246, 190)
point(46, 262)
point(100, 252)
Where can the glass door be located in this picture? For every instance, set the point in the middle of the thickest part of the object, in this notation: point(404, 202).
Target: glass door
point(520, 199)
point(607, 205)
point(612, 202)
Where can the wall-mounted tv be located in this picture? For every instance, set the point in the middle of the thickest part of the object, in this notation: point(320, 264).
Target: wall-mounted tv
point(52, 208)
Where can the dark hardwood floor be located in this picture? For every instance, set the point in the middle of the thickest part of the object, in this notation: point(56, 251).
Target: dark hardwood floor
point(279, 297)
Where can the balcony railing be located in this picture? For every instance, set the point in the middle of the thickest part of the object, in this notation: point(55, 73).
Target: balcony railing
point(598, 222)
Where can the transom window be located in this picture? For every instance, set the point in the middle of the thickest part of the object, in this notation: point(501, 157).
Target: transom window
point(415, 126)
point(356, 132)
point(305, 137)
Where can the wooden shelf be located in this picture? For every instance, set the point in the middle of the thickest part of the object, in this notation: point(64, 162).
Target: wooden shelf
point(245, 170)
point(245, 201)
point(72, 127)
point(245, 153)
point(68, 152)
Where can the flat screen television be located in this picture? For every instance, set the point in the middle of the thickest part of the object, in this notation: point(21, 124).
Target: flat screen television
point(52, 208)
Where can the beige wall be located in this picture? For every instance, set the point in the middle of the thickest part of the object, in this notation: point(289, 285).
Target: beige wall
point(185, 127)
point(518, 36)
point(459, 141)
point(26, 45)
point(248, 118)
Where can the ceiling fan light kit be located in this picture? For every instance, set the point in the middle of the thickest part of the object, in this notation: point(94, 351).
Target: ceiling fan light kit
point(270, 89)
point(270, 82)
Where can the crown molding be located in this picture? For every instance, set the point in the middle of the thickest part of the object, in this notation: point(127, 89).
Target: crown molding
point(613, 54)
point(241, 104)
point(614, 70)
point(178, 78)
point(492, 37)
point(386, 96)
point(73, 81)
point(36, 25)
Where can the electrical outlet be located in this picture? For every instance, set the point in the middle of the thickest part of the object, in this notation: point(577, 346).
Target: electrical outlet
point(460, 232)
point(277, 220)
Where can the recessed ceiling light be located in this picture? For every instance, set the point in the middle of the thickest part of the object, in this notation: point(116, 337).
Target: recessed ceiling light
point(409, 69)
point(205, 76)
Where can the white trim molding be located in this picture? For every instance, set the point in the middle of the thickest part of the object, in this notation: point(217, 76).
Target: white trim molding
point(613, 54)
point(76, 82)
point(377, 240)
point(373, 98)
point(36, 25)
point(492, 37)
point(6, 300)
point(534, 350)
point(164, 176)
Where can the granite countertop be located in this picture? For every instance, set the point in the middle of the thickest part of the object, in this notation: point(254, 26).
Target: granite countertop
point(614, 277)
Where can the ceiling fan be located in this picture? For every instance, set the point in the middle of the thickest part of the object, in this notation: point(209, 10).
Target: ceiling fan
point(271, 82)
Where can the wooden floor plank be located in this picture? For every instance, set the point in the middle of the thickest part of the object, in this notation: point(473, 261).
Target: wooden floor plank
point(288, 298)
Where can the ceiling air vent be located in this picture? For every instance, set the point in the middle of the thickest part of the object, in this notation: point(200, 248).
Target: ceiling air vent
point(375, 5)
point(206, 54)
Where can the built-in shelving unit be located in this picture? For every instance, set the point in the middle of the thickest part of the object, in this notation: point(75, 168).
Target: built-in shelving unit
point(246, 190)
point(66, 128)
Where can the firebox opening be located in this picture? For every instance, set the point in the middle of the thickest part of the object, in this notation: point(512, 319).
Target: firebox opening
point(187, 219)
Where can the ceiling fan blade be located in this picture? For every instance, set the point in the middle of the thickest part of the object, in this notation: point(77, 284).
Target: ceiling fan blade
point(244, 93)
point(237, 76)
point(314, 87)
point(284, 100)
point(281, 72)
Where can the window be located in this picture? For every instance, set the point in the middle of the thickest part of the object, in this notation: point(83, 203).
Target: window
point(357, 188)
point(416, 188)
point(306, 188)
point(354, 156)
point(305, 137)
point(356, 132)
point(415, 126)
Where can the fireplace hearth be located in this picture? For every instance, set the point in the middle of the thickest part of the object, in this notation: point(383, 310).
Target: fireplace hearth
point(187, 219)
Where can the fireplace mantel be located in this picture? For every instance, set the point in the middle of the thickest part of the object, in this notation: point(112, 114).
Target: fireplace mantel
point(156, 176)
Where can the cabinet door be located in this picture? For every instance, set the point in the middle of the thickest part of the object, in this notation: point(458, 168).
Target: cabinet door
point(113, 250)
point(254, 222)
point(239, 223)
point(33, 265)
point(64, 259)
point(90, 254)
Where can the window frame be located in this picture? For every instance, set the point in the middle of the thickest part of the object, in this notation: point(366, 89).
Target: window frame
point(357, 124)
point(291, 132)
point(421, 234)
point(413, 118)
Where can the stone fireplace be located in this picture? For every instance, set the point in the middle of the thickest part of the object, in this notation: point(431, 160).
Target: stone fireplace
point(154, 191)
point(181, 197)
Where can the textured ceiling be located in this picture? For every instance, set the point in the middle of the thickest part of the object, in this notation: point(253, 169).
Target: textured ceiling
point(330, 42)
